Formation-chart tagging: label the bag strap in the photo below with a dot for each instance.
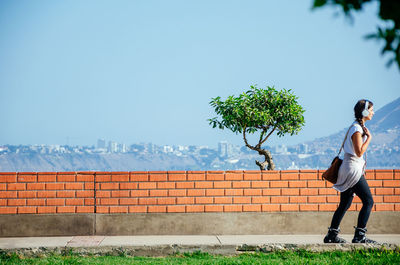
(340, 150)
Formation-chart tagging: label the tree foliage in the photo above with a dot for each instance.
(259, 110)
(389, 10)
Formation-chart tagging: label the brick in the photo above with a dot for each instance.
(260, 200)
(3, 186)
(222, 184)
(167, 200)
(103, 194)
(176, 193)
(271, 192)
(397, 191)
(128, 186)
(88, 186)
(16, 202)
(384, 207)
(27, 178)
(66, 178)
(391, 183)
(46, 209)
(147, 185)
(84, 178)
(204, 184)
(35, 186)
(55, 202)
(397, 207)
(147, 201)
(333, 199)
(195, 208)
(139, 193)
(196, 192)
(8, 194)
(234, 192)
(158, 193)
(46, 177)
(74, 186)
(120, 178)
(54, 186)
(84, 193)
(215, 176)
(204, 200)
(271, 207)
(120, 193)
(103, 178)
(252, 192)
(327, 207)
(16, 186)
(260, 184)
(252, 176)
(89, 201)
(74, 202)
(306, 192)
(66, 209)
(8, 210)
(177, 177)
(384, 191)
(8, 178)
(119, 209)
(223, 200)
(196, 176)
(241, 184)
(391, 199)
(308, 176)
(241, 200)
(215, 192)
(46, 194)
(279, 184)
(327, 191)
(102, 209)
(289, 207)
(137, 209)
(139, 177)
(185, 200)
(109, 201)
(375, 183)
(234, 176)
(110, 186)
(36, 202)
(271, 175)
(213, 208)
(397, 174)
(289, 176)
(297, 199)
(251, 208)
(384, 174)
(86, 209)
(297, 184)
(316, 184)
(369, 174)
(27, 194)
(316, 199)
(308, 207)
(157, 209)
(291, 191)
(165, 185)
(158, 177)
(175, 208)
(377, 199)
(26, 209)
(280, 199)
(185, 185)
(233, 208)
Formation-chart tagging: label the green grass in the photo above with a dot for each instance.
(279, 257)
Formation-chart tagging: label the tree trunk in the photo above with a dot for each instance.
(268, 163)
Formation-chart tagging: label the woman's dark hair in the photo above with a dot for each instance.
(358, 109)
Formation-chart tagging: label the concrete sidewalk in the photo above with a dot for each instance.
(169, 244)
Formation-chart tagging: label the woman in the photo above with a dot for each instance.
(351, 177)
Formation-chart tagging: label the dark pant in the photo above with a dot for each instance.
(361, 189)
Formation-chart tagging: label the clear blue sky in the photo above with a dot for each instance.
(145, 71)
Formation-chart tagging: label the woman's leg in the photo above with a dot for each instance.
(362, 190)
(346, 199)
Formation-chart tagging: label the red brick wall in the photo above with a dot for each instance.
(184, 192)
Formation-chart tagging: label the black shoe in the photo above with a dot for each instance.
(332, 237)
(359, 236)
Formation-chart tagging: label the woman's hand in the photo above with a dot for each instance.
(367, 133)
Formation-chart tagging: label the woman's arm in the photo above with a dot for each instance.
(359, 147)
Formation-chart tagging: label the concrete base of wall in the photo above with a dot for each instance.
(189, 224)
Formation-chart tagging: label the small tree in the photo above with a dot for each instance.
(260, 110)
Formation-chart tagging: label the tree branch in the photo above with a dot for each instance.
(245, 140)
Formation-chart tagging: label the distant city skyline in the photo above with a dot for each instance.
(131, 71)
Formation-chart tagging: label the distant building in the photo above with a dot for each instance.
(112, 147)
(101, 144)
(303, 148)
